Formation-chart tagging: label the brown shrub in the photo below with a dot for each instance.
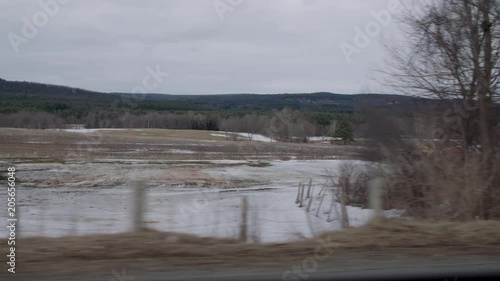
(439, 184)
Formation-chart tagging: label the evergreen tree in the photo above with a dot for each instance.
(344, 131)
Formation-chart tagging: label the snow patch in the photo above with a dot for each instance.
(86, 131)
(248, 136)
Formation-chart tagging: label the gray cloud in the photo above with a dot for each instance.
(260, 46)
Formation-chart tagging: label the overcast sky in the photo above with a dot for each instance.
(206, 46)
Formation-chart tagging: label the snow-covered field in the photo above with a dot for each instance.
(271, 189)
(261, 138)
(87, 131)
(247, 136)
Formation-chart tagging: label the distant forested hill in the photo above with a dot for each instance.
(28, 96)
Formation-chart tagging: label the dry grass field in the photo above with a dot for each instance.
(58, 145)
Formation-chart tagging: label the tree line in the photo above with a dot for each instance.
(287, 124)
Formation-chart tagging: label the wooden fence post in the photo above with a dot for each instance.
(302, 195)
(297, 201)
(375, 198)
(244, 219)
(309, 189)
(138, 215)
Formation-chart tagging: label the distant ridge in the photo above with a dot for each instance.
(23, 95)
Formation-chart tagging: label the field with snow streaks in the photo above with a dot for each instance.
(194, 184)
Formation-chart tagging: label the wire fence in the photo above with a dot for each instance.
(272, 216)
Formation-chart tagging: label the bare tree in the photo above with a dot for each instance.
(452, 52)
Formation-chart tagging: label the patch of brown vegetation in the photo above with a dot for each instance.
(443, 184)
(396, 233)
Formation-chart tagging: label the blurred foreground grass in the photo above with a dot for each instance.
(152, 250)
